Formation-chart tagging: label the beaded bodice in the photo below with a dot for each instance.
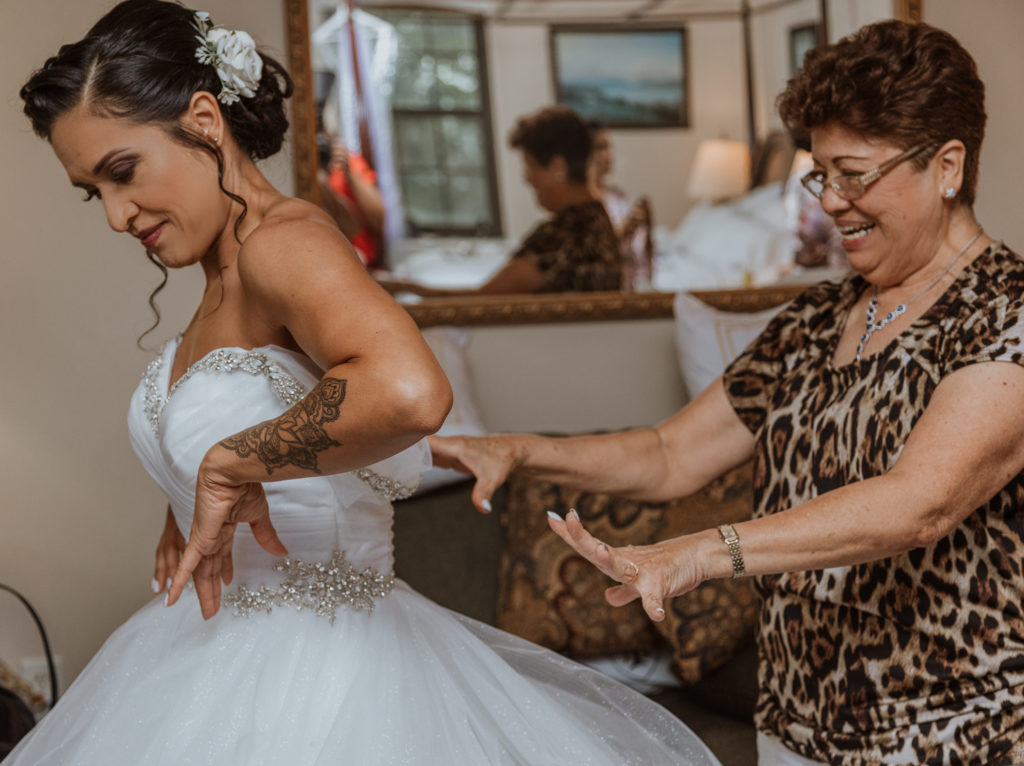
(337, 528)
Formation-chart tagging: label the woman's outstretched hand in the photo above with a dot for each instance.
(489, 458)
(221, 505)
(651, 573)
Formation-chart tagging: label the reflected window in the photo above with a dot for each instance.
(444, 157)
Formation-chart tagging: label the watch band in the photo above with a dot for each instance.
(732, 540)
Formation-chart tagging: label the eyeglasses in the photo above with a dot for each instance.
(851, 187)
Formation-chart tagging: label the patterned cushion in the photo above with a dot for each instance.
(550, 595)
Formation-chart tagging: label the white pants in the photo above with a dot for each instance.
(771, 752)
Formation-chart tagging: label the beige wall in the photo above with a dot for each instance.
(78, 516)
(990, 30)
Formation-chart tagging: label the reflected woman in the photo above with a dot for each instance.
(576, 249)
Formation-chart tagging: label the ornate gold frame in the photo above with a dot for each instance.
(511, 309)
(586, 307)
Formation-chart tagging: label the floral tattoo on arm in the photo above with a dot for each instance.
(296, 437)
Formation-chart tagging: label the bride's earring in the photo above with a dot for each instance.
(949, 193)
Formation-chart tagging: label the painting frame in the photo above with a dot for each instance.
(586, 48)
(802, 38)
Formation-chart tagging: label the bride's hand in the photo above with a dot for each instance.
(221, 505)
(489, 458)
(651, 573)
(168, 552)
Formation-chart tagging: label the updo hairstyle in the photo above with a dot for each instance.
(138, 63)
(906, 84)
(555, 131)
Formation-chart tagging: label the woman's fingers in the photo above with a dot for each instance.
(633, 567)
(227, 570)
(159, 572)
(265, 534)
(186, 566)
(483, 491)
(653, 606)
(620, 595)
(489, 459)
(207, 582)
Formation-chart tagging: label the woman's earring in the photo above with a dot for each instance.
(949, 193)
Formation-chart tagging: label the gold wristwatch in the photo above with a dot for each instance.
(732, 540)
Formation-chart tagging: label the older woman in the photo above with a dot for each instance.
(577, 248)
(884, 416)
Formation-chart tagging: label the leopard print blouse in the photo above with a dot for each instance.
(918, 658)
(576, 250)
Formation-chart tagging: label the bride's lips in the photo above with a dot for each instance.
(151, 235)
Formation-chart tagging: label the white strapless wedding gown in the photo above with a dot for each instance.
(323, 658)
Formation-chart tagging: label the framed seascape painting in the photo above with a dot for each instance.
(632, 78)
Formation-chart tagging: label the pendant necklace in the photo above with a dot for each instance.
(873, 326)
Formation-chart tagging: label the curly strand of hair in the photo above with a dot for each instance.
(152, 297)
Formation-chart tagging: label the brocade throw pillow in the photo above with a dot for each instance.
(552, 596)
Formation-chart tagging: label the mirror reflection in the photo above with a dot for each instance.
(417, 109)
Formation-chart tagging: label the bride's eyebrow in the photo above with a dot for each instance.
(100, 166)
(106, 158)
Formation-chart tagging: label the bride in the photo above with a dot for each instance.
(281, 424)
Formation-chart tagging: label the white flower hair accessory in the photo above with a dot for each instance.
(232, 53)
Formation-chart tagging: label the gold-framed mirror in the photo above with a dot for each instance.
(537, 308)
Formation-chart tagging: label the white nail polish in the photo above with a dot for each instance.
(660, 611)
(486, 504)
(167, 598)
(169, 581)
(572, 514)
(554, 516)
(155, 586)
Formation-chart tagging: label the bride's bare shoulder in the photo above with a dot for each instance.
(290, 210)
(294, 237)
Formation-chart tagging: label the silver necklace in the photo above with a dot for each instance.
(873, 326)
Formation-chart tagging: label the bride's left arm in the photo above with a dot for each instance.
(382, 391)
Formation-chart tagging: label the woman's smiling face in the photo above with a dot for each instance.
(150, 186)
(895, 228)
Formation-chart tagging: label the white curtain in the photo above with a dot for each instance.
(377, 51)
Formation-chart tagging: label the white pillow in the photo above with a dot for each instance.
(449, 346)
(744, 242)
(708, 339)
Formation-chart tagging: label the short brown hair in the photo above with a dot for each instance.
(555, 131)
(907, 84)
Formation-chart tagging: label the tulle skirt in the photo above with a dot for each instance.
(409, 683)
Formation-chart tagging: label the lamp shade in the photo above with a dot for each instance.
(721, 169)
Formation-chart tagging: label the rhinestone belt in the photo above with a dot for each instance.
(322, 587)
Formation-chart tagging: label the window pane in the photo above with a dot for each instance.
(425, 199)
(458, 81)
(411, 33)
(417, 146)
(463, 142)
(453, 35)
(471, 202)
(415, 81)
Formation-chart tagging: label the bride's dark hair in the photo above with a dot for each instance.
(139, 63)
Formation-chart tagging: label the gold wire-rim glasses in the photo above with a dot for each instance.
(853, 187)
